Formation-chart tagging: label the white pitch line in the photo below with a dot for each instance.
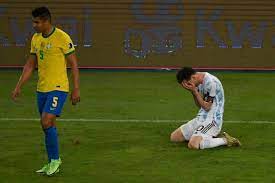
(132, 120)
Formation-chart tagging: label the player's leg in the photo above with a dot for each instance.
(41, 100)
(194, 142)
(184, 132)
(177, 136)
(51, 139)
(210, 142)
(203, 137)
(51, 142)
(204, 142)
(52, 109)
(212, 139)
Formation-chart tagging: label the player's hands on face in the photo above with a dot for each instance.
(75, 96)
(15, 93)
(188, 86)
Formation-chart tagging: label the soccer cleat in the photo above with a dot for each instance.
(231, 141)
(43, 169)
(220, 135)
(53, 167)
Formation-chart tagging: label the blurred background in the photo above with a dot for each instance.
(150, 34)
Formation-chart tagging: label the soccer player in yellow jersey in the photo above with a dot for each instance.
(51, 49)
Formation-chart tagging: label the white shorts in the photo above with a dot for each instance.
(195, 127)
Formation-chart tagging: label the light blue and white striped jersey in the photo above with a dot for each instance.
(211, 86)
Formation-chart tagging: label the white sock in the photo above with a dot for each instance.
(212, 142)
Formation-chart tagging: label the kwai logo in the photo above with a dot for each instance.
(166, 36)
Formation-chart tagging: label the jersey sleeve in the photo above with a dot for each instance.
(32, 51)
(67, 45)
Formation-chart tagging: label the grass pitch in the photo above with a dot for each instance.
(111, 151)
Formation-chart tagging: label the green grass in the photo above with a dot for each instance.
(141, 151)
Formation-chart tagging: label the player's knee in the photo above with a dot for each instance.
(176, 136)
(173, 137)
(193, 146)
(46, 123)
(194, 143)
(47, 120)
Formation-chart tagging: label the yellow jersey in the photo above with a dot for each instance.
(51, 52)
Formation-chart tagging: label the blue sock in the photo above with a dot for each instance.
(51, 141)
(47, 145)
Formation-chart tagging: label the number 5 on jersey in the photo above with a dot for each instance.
(55, 102)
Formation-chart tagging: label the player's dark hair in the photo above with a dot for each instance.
(42, 12)
(185, 74)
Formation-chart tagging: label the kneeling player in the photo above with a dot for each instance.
(204, 130)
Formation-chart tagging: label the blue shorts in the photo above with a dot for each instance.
(51, 102)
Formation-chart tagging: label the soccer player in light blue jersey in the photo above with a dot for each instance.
(204, 130)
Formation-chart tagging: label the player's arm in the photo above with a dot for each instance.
(206, 105)
(200, 102)
(68, 49)
(26, 74)
(75, 95)
(196, 101)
